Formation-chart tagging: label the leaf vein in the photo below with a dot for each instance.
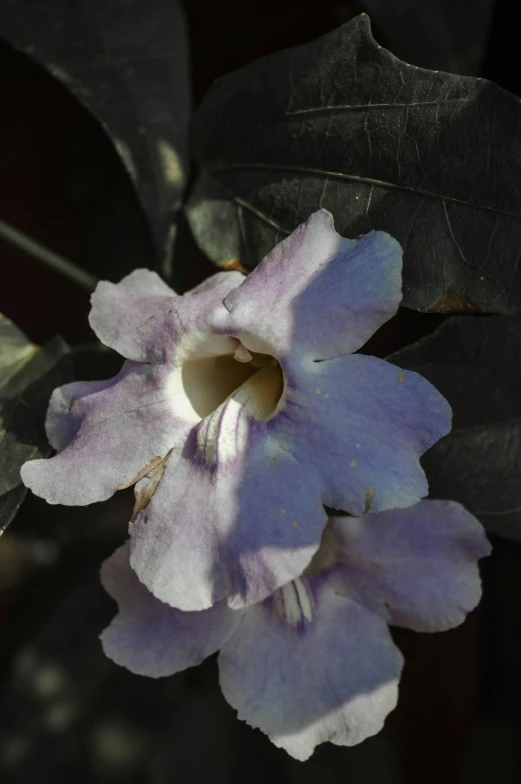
(357, 106)
(365, 181)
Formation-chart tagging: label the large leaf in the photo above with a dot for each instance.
(126, 61)
(28, 375)
(440, 34)
(475, 362)
(341, 123)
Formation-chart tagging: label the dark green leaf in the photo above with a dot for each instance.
(438, 34)
(475, 362)
(340, 123)
(28, 375)
(127, 63)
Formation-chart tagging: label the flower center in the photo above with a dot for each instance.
(254, 380)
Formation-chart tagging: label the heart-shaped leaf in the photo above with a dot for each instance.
(475, 362)
(341, 123)
(28, 374)
(126, 61)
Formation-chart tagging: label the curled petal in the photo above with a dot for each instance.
(416, 567)
(121, 427)
(363, 423)
(317, 294)
(151, 638)
(311, 666)
(234, 516)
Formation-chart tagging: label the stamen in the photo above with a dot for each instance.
(242, 354)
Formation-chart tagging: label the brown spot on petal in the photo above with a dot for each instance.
(234, 264)
(272, 461)
(401, 378)
(451, 301)
(146, 491)
(368, 498)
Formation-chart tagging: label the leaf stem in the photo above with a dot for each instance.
(47, 257)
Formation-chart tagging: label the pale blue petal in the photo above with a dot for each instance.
(237, 528)
(417, 567)
(134, 316)
(151, 638)
(120, 426)
(317, 294)
(221, 284)
(304, 682)
(144, 320)
(68, 407)
(363, 423)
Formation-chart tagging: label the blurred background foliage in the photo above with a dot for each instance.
(67, 713)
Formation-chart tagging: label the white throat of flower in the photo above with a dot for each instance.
(224, 393)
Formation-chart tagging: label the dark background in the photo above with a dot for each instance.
(66, 713)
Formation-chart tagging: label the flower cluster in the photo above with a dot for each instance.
(240, 412)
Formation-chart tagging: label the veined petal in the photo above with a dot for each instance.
(121, 427)
(317, 294)
(363, 423)
(308, 666)
(416, 567)
(234, 516)
(151, 638)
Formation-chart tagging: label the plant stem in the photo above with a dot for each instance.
(47, 257)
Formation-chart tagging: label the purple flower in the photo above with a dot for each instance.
(240, 411)
(315, 661)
